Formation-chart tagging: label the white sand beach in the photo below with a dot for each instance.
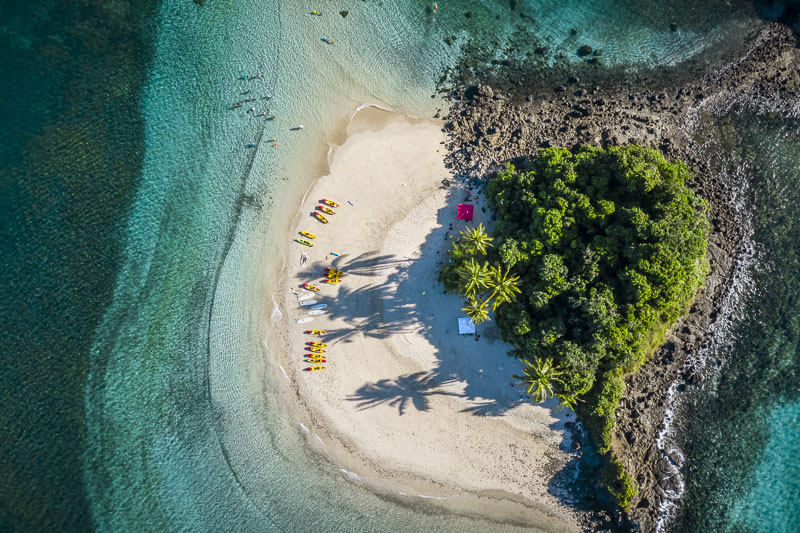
(404, 398)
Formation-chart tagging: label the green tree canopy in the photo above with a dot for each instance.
(608, 250)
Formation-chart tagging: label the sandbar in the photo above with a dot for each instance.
(404, 400)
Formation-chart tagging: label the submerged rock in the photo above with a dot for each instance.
(584, 50)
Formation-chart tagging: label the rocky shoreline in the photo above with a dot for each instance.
(488, 127)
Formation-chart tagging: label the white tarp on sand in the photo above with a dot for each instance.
(465, 326)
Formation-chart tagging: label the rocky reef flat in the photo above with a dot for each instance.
(490, 126)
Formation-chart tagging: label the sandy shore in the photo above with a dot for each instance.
(404, 400)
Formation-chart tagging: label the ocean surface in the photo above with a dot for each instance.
(141, 238)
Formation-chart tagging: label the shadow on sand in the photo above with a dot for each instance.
(411, 301)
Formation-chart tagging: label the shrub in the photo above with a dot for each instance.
(609, 246)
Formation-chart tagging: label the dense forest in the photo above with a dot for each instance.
(594, 256)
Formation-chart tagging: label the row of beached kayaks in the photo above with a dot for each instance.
(332, 275)
(315, 351)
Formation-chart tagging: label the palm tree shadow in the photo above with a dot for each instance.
(411, 301)
(414, 389)
(394, 296)
(395, 306)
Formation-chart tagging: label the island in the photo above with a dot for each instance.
(595, 255)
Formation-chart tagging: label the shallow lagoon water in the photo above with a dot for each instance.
(184, 421)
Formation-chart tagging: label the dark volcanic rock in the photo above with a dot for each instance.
(585, 50)
(486, 131)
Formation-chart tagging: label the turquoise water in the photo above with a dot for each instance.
(142, 238)
(739, 433)
(771, 504)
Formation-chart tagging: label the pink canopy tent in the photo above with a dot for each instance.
(465, 211)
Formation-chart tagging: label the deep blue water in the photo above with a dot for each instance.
(135, 398)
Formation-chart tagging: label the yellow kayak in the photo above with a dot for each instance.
(317, 344)
(303, 241)
(314, 368)
(332, 280)
(316, 332)
(327, 210)
(310, 287)
(316, 360)
(307, 234)
(329, 202)
(320, 217)
(314, 349)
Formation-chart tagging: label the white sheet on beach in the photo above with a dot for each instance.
(465, 326)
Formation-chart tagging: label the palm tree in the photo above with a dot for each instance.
(476, 310)
(504, 286)
(566, 400)
(476, 239)
(474, 276)
(541, 375)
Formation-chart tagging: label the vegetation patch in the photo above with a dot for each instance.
(594, 257)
